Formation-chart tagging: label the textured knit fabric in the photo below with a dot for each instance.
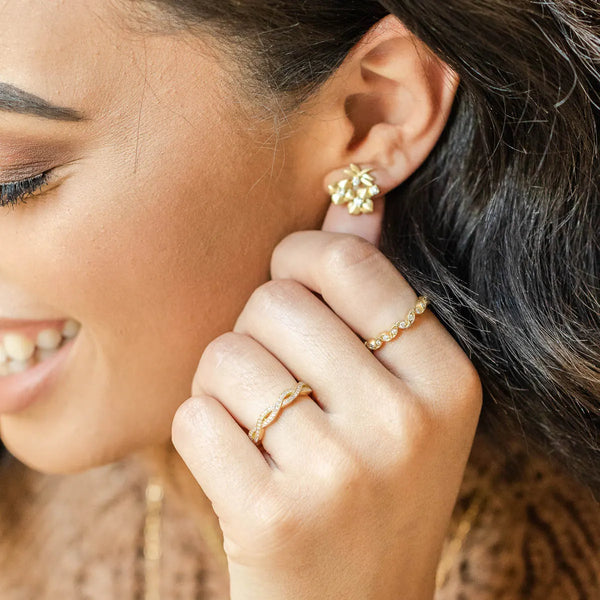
(81, 536)
(536, 538)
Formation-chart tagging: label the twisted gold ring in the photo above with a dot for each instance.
(270, 413)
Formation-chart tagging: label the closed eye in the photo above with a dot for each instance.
(15, 192)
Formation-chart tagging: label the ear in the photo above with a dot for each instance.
(385, 107)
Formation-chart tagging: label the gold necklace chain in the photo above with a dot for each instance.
(152, 541)
(458, 537)
(153, 553)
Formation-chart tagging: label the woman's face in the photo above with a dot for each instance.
(159, 219)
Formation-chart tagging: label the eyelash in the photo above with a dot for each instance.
(16, 192)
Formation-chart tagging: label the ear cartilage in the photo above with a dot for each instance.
(357, 190)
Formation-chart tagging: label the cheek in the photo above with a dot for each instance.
(154, 243)
(153, 264)
(155, 252)
(153, 275)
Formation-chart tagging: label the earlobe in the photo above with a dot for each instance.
(397, 103)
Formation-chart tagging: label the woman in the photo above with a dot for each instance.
(172, 223)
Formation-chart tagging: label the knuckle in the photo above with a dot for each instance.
(273, 295)
(470, 397)
(348, 251)
(402, 415)
(227, 346)
(286, 244)
(223, 346)
(341, 471)
(463, 388)
(351, 481)
(181, 419)
(190, 417)
(413, 425)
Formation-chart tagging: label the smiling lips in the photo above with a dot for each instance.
(21, 340)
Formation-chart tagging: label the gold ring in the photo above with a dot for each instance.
(387, 336)
(270, 413)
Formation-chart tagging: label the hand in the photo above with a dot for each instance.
(351, 493)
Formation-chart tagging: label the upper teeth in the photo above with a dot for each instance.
(20, 347)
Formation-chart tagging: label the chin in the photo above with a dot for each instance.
(56, 457)
(57, 463)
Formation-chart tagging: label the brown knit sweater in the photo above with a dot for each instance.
(80, 536)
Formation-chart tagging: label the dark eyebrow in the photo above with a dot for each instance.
(16, 100)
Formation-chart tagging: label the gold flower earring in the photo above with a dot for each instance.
(358, 190)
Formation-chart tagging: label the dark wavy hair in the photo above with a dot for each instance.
(500, 226)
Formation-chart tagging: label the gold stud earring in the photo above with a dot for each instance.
(358, 190)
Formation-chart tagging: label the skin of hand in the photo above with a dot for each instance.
(351, 492)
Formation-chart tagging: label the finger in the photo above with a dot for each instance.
(316, 347)
(368, 293)
(219, 455)
(367, 226)
(246, 378)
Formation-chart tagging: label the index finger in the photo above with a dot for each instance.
(367, 225)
